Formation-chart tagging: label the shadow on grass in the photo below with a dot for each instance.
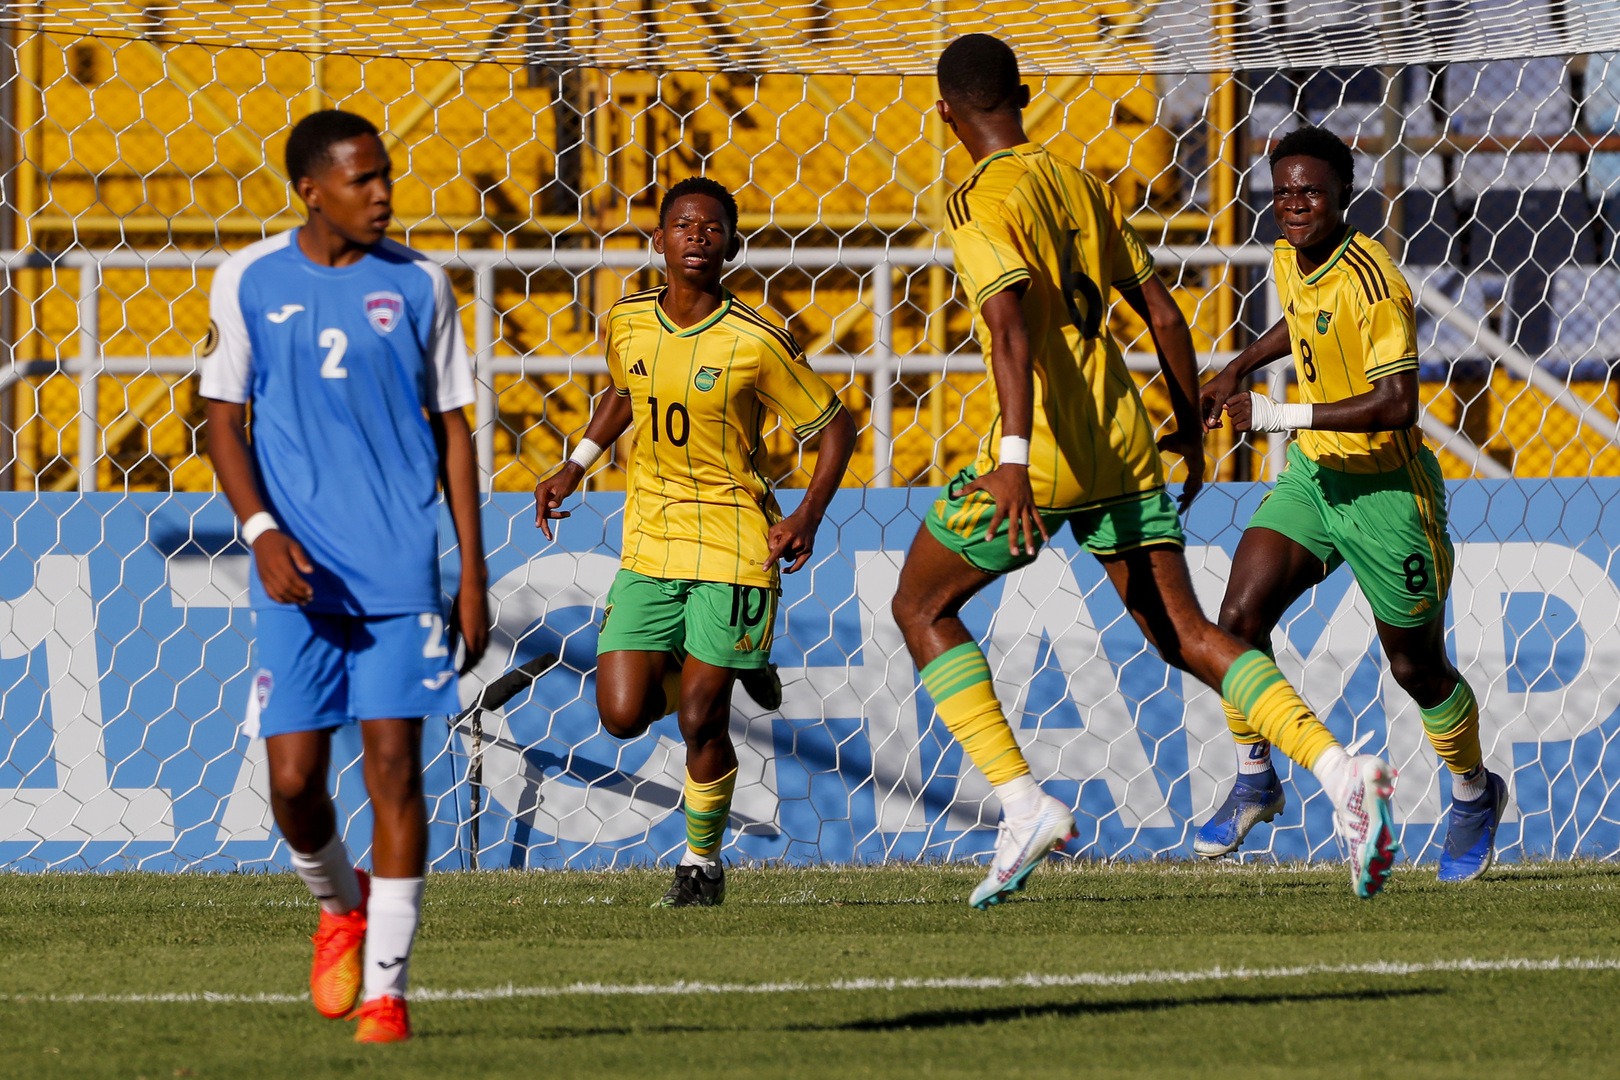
(943, 1018)
(946, 1018)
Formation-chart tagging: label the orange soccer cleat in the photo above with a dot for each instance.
(335, 976)
(383, 1020)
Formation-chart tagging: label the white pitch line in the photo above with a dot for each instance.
(988, 982)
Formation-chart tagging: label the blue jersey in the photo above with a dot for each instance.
(341, 366)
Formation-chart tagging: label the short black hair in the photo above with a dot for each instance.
(309, 147)
(978, 71)
(1319, 143)
(701, 185)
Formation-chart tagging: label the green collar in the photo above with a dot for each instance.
(1349, 235)
(997, 156)
(695, 328)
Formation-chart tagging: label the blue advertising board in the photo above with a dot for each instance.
(125, 663)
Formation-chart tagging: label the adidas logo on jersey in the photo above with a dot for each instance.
(639, 368)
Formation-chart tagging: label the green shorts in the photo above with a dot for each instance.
(1390, 527)
(726, 625)
(1147, 519)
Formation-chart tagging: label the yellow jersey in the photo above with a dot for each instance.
(1027, 218)
(1349, 323)
(698, 507)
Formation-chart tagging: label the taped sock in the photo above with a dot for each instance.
(330, 876)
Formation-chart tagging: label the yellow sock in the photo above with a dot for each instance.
(1242, 733)
(959, 682)
(1453, 729)
(707, 808)
(1255, 687)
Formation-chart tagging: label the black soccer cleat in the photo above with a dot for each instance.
(764, 685)
(694, 888)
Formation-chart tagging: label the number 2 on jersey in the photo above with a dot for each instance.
(336, 343)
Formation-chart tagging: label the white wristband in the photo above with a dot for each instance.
(256, 526)
(585, 454)
(1014, 450)
(1268, 415)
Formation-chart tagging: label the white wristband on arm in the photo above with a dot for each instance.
(256, 526)
(585, 454)
(1014, 450)
(1268, 415)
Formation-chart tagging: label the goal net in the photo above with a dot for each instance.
(142, 143)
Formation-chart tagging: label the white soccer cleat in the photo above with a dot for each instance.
(1365, 821)
(1021, 844)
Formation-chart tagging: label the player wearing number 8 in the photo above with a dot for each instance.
(693, 610)
(1359, 488)
(349, 348)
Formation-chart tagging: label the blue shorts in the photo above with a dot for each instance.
(315, 671)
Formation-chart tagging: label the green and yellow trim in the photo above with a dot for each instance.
(1001, 284)
(696, 328)
(806, 430)
(1392, 367)
(1350, 234)
(954, 671)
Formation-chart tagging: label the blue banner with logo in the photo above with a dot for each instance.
(126, 664)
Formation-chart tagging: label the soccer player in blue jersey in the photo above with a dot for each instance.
(349, 348)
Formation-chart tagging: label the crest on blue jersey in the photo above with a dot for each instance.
(384, 310)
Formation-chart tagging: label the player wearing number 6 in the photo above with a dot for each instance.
(693, 611)
(1359, 488)
(1038, 245)
(349, 348)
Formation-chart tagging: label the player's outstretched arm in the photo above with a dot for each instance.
(1220, 391)
(1014, 371)
(794, 537)
(458, 471)
(1172, 340)
(281, 560)
(608, 422)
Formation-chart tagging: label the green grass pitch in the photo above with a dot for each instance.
(815, 934)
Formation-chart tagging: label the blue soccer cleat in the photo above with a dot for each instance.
(1255, 797)
(1471, 832)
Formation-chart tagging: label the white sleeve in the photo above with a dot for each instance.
(449, 371)
(227, 367)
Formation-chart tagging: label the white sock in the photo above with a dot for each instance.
(330, 876)
(391, 918)
(1020, 797)
(710, 863)
(1254, 757)
(1334, 768)
(1468, 786)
